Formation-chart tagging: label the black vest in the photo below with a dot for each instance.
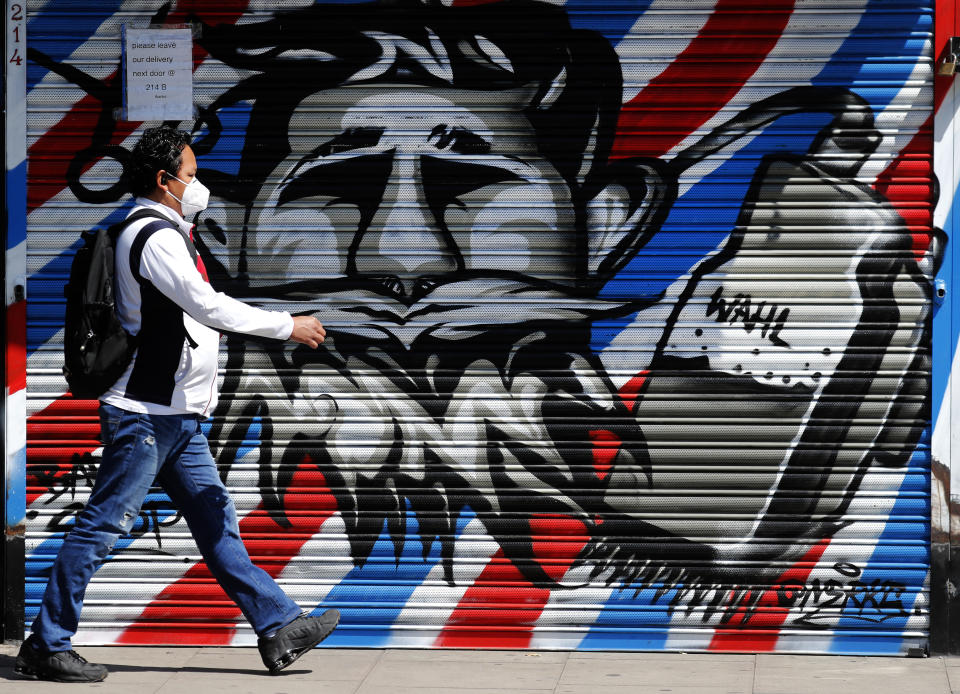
(162, 332)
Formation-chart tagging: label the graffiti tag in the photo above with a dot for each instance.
(82, 472)
(874, 601)
(744, 310)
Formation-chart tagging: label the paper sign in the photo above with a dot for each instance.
(157, 74)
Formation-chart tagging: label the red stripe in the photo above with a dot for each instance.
(45, 465)
(906, 183)
(196, 602)
(16, 347)
(946, 24)
(49, 157)
(702, 79)
(761, 632)
(502, 607)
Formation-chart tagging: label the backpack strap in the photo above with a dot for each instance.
(136, 249)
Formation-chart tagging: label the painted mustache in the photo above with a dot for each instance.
(453, 310)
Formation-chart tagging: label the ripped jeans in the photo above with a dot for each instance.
(140, 449)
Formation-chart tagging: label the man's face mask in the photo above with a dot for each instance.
(195, 197)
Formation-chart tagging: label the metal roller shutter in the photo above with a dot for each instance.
(628, 309)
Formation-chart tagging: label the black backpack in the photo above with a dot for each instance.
(96, 348)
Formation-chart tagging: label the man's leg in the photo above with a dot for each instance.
(126, 472)
(193, 483)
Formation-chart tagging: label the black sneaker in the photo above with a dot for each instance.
(35, 663)
(296, 638)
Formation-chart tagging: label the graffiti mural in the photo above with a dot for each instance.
(612, 361)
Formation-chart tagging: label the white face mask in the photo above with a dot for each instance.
(195, 197)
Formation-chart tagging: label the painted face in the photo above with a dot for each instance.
(411, 187)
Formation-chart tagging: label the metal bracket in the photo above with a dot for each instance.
(939, 291)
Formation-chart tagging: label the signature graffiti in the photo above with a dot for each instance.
(816, 603)
(874, 602)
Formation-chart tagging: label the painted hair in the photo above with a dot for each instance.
(575, 74)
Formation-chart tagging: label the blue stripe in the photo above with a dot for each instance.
(879, 39)
(394, 580)
(658, 264)
(651, 621)
(614, 20)
(61, 28)
(59, 268)
(16, 204)
(879, 568)
(225, 156)
(15, 502)
(945, 334)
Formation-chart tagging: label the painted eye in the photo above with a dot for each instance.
(444, 181)
(357, 180)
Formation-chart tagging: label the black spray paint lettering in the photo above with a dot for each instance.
(154, 514)
(873, 602)
(742, 309)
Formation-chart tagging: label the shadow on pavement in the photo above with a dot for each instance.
(7, 674)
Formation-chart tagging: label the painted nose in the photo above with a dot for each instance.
(404, 240)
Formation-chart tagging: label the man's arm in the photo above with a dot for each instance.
(167, 265)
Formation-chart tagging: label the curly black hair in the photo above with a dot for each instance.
(323, 46)
(159, 149)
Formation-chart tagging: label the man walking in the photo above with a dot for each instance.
(150, 424)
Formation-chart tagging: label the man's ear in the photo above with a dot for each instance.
(632, 200)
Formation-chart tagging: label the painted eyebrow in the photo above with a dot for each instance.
(459, 140)
(349, 139)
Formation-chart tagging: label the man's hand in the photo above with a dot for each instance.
(307, 330)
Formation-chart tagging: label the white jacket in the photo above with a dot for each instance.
(166, 264)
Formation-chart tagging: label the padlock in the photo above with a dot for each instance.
(948, 66)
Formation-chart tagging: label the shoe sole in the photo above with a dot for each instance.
(293, 654)
(23, 672)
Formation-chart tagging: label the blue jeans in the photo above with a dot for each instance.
(171, 450)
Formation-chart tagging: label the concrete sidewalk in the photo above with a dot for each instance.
(238, 671)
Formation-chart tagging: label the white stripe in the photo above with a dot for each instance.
(16, 270)
(946, 151)
(767, 81)
(15, 77)
(444, 598)
(16, 426)
(331, 541)
(588, 604)
(901, 119)
(642, 48)
(944, 434)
